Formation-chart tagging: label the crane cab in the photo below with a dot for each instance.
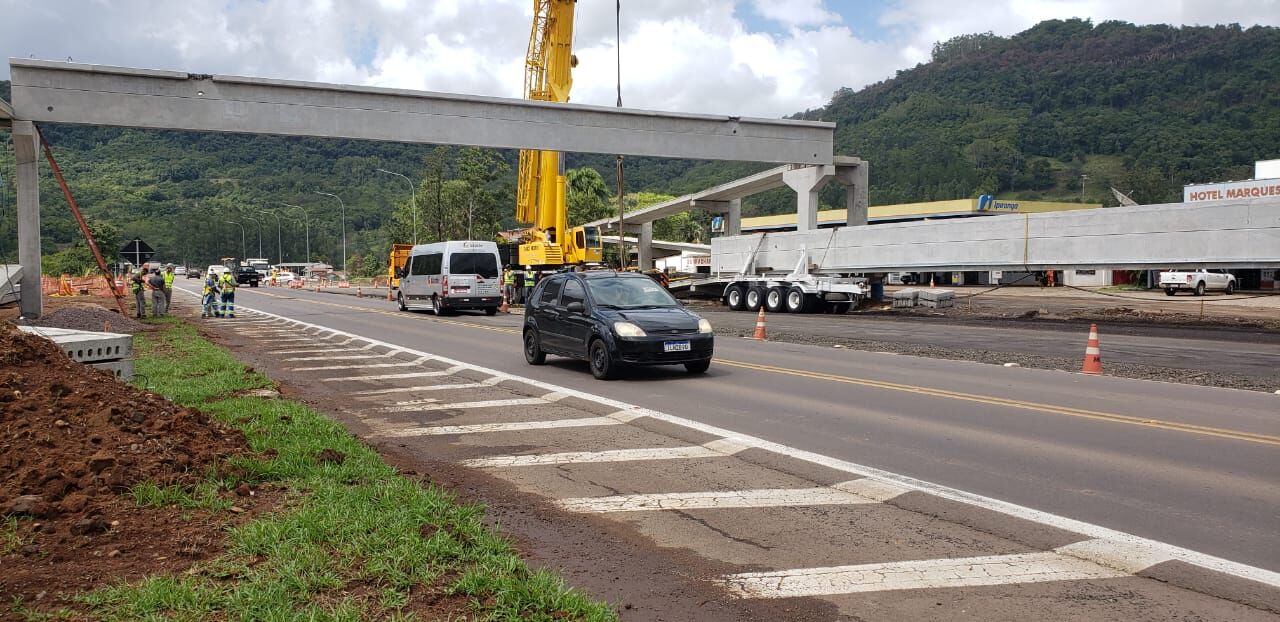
(581, 246)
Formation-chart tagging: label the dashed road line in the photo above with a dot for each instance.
(523, 401)
(761, 498)
(482, 428)
(610, 455)
(917, 574)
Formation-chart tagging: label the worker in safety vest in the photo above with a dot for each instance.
(227, 287)
(139, 289)
(155, 282)
(209, 300)
(168, 287)
(509, 283)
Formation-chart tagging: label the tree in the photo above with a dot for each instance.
(587, 196)
(78, 258)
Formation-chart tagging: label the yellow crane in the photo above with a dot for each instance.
(540, 193)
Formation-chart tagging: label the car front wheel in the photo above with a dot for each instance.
(533, 353)
(698, 367)
(1231, 287)
(602, 365)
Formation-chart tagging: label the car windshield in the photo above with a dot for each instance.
(629, 293)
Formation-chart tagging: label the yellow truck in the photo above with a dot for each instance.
(399, 255)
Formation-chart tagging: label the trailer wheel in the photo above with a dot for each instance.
(775, 301)
(796, 301)
(755, 298)
(734, 298)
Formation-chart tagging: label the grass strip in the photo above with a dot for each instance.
(353, 541)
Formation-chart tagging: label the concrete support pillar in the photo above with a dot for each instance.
(807, 183)
(733, 219)
(644, 249)
(26, 147)
(854, 178)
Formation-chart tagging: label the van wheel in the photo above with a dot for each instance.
(755, 298)
(533, 353)
(490, 310)
(775, 300)
(602, 365)
(734, 298)
(400, 300)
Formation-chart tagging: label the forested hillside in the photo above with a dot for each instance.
(1145, 109)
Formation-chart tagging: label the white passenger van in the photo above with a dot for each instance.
(447, 276)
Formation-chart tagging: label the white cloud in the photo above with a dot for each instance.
(703, 56)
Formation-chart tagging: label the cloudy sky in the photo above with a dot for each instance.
(750, 57)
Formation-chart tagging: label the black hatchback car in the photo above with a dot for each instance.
(613, 320)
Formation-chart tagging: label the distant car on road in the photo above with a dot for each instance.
(247, 275)
(613, 320)
(180, 271)
(284, 277)
(190, 273)
(1197, 281)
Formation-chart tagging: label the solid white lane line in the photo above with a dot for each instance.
(433, 387)
(515, 426)
(1114, 538)
(416, 374)
(707, 450)
(917, 575)
(762, 498)
(339, 357)
(526, 401)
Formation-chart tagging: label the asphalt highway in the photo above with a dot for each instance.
(1191, 466)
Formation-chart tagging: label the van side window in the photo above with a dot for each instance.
(418, 265)
(550, 292)
(573, 292)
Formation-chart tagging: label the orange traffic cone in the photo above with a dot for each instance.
(504, 307)
(759, 336)
(359, 294)
(389, 297)
(1092, 355)
(930, 280)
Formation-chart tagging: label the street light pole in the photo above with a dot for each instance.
(306, 221)
(1082, 180)
(413, 197)
(259, 223)
(344, 226)
(279, 247)
(242, 247)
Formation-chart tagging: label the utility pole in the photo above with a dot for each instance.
(622, 208)
(279, 247)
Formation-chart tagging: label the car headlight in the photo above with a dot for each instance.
(704, 326)
(627, 329)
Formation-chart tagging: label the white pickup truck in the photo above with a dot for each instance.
(1197, 281)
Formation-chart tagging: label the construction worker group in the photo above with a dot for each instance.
(219, 295)
(161, 286)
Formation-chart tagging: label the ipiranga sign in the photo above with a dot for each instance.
(1247, 189)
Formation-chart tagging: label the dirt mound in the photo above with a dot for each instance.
(72, 439)
(89, 316)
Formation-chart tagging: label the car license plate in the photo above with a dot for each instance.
(675, 346)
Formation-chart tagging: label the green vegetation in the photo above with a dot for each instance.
(353, 539)
(1143, 108)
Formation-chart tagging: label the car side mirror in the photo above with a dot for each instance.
(576, 307)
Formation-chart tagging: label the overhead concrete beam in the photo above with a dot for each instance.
(6, 114)
(76, 93)
(660, 244)
(1218, 234)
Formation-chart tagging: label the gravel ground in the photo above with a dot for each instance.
(1123, 370)
(89, 316)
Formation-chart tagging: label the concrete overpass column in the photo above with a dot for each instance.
(644, 249)
(733, 219)
(854, 178)
(26, 146)
(807, 182)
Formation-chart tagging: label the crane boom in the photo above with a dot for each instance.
(540, 191)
